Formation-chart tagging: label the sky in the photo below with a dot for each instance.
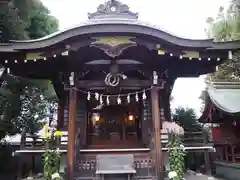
(183, 18)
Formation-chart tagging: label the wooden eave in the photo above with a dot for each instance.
(147, 38)
(121, 22)
(122, 27)
(77, 61)
(204, 118)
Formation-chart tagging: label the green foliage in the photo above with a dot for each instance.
(11, 26)
(51, 163)
(186, 117)
(37, 18)
(51, 156)
(176, 155)
(226, 27)
(23, 102)
(25, 19)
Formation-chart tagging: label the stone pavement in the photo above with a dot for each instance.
(190, 175)
(199, 177)
(187, 177)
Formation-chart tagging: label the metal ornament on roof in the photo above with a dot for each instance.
(113, 46)
(113, 9)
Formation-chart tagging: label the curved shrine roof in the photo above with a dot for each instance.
(225, 96)
(115, 17)
(113, 32)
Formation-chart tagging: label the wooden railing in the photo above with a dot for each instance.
(228, 153)
(192, 141)
(227, 149)
(37, 141)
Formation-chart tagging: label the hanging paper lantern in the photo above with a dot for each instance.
(97, 96)
(96, 116)
(119, 101)
(144, 96)
(88, 96)
(128, 98)
(130, 117)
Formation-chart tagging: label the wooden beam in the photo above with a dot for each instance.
(233, 153)
(122, 67)
(88, 84)
(71, 132)
(157, 132)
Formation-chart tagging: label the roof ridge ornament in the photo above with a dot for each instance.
(113, 9)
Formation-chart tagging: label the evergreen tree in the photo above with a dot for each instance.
(24, 102)
(186, 117)
(226, 27)
(11, 26)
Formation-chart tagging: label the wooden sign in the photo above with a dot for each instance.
(146, 110)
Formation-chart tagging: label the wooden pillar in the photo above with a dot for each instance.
(226, 152)
(157, 156)
(207, 154)
(20, 159)
(233, 153)
(71, 132)
(60, 115)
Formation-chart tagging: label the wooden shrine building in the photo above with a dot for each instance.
(113, 76)
(222, 112)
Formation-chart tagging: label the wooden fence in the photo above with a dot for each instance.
(193, 141)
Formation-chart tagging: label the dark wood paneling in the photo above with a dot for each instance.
(82, 117)
(60, 115)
